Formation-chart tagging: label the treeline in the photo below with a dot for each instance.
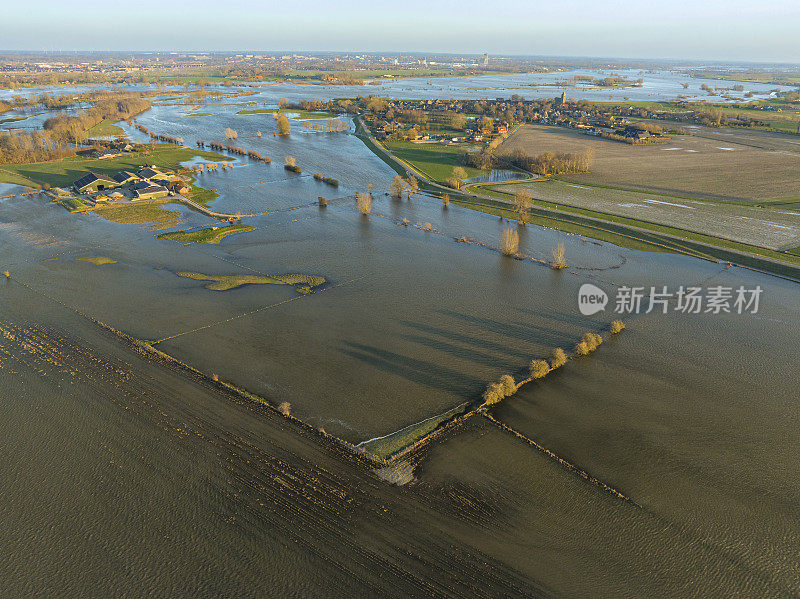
(547, 163)
(75, 128)
(20, 147)
(214, 145)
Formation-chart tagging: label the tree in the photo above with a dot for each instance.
(398, 186)
(459, 173)
(539, 369)
(364, 203)
(283, 124)
(522, 204)
(457, 121)
(283, 103)
(559, 257)
(413, 185)
(509, 242)
(230, 133)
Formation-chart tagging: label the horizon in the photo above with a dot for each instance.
(717, 31)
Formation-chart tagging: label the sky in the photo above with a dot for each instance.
(763, 30)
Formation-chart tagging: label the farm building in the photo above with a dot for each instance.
(125, 178)
(93, 182)
(147, 172)
(151, 193)
(105, 153)
(178, 187)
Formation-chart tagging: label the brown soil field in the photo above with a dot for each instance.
(722, 165)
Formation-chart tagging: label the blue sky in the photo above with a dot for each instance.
(733, 30)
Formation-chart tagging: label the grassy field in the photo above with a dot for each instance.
(435, 161)
(211, 235)
(302, 283)
(296, 114)
(776, 229)
(727, 168)
(104, 128)
(201, 114)
(62, 173)
(786, 121)
(139, 213)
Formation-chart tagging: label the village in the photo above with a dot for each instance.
(470, 121)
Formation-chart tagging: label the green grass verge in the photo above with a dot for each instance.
(139, 212)
(106, 127)
(435, 161)
(302, 283)
(211, 235)
(201, 114)
(73, 204)
(62, 173)
(385, 447)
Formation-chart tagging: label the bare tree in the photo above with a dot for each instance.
(522, 204)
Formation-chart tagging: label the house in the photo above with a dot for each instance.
(93, 182)
(124, 178)
(151, 193)
(178, 187)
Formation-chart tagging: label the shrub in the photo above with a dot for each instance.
(284, 127)
(322, 202)
(289, 161)
(559, 260)
(589, 343)
(508, 384)
(558, 359)
(617, 326)
(493, 394)
(7, 274)
(445, 200)
(215, 378)
(285, 408)
(539, 369)
(405, 222)
(427, 227)
(509, 242)
(364, 203)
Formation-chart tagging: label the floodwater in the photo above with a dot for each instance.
(121, 476)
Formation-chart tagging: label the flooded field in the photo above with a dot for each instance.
(192, 489)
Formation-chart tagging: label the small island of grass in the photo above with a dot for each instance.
(207, 235)
(97, 260)
(302, 283)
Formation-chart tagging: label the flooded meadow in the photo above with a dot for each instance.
(192, 490)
